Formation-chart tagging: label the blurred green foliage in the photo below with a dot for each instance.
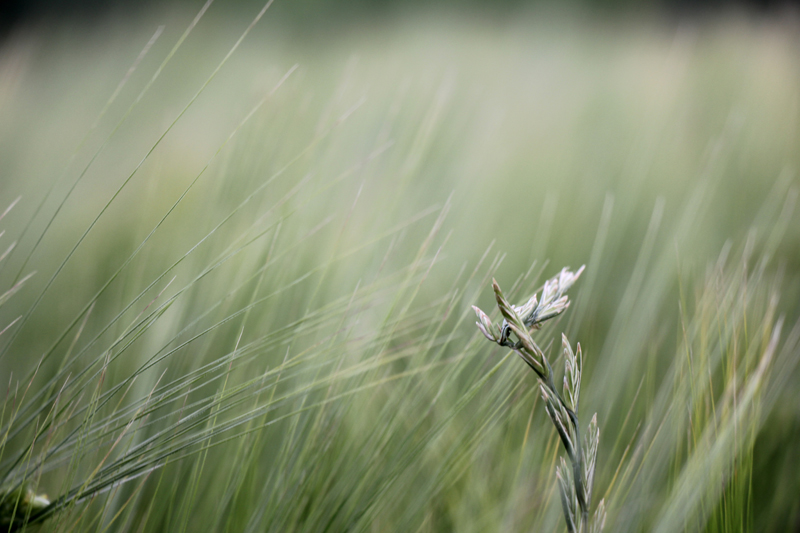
(362, 210)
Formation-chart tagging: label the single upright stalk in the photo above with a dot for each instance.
(575, 484)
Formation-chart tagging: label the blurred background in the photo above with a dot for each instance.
(306, 12)
(396, 156)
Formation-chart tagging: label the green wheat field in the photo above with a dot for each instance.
(239, 259)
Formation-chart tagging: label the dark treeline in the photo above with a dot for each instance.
(13, 12)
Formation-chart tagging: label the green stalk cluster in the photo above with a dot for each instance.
(18, 503)
(575, 483)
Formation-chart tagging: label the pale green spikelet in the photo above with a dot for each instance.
(18, 505)
(575, 482)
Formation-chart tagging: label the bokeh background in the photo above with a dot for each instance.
(331, 240)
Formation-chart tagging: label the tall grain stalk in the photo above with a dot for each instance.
(575, 484)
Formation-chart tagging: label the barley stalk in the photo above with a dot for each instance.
(575, 483)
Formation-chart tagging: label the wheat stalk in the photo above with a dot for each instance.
(575, 484)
